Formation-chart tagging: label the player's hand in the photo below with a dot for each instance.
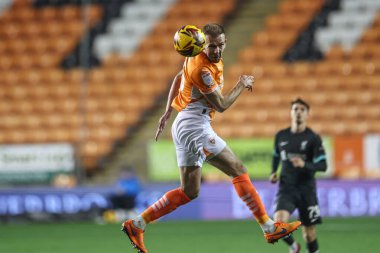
(162, 123)
(247, 81)
(297, 162)
(273, 178)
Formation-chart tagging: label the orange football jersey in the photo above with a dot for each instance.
(200, 76)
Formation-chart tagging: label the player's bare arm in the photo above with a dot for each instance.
(222, 102)
(168, 110)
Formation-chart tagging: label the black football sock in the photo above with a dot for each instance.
(289, 240)
(312, 246)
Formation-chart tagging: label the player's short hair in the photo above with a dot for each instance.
(300, 101)
(213, 29)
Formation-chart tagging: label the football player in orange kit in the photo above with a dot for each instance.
(196, 92)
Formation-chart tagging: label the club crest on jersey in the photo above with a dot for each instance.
(212, 140)
(207, 79)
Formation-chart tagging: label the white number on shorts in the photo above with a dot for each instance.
(314, 213)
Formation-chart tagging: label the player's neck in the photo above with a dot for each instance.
(298, 128)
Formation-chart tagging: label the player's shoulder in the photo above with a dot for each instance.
(283, 132)
(197, 61)
(201, 63)
(310, 132)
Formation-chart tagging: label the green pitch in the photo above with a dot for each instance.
(335, 236)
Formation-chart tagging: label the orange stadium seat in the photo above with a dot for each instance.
(359, 51)
(351, 82)
(376, 22)
(44, 106)
(51, 29)
(325, 68)
(21, 4)
(103, 133)
(259, 55)
(328, 83)
(95, 149)
(292, 6)
(69, 12)
(31, 29)
(288, 22)
(48, 14)
(370, 82)
(371, 35)
(52, 76)
(72, 119)
(24, 15)
(324, 113)
(37, 45)
(14, 136)
(3, 47)
(16, 46)
(278, 38)
(99, 75)
(303, 84)
(29, 76)
(336, 53)
(6, 62)
(75, 76)
(374, 127)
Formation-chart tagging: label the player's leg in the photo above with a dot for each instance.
(310, 216)
(310, 236)
(283, 216)
(190, 185)
(227, 162)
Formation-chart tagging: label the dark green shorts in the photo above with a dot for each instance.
(306, 202)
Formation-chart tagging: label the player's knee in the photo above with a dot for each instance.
(309, 235)
(238, 169)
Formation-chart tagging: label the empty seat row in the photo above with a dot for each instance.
(60, 45)
(48, 14)
(35, 30)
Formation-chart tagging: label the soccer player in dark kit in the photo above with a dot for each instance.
(301, 154)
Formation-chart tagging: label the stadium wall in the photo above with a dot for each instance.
(216, 201)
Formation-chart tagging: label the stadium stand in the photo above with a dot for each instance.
(346, 76)
(130, 60)
(47, 98)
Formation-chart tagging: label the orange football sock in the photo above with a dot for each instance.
(247, 192)
(167, 204)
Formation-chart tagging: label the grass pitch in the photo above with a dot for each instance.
(334, 235)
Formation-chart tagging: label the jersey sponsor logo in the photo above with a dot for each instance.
(207, 79)
(283, 143)
(292, 155)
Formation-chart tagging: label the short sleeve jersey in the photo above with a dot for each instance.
(200, 76)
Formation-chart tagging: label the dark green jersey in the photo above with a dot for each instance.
(306, 145)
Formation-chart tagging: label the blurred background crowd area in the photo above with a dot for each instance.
(84, 82)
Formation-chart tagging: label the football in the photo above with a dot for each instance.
(189, 41)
